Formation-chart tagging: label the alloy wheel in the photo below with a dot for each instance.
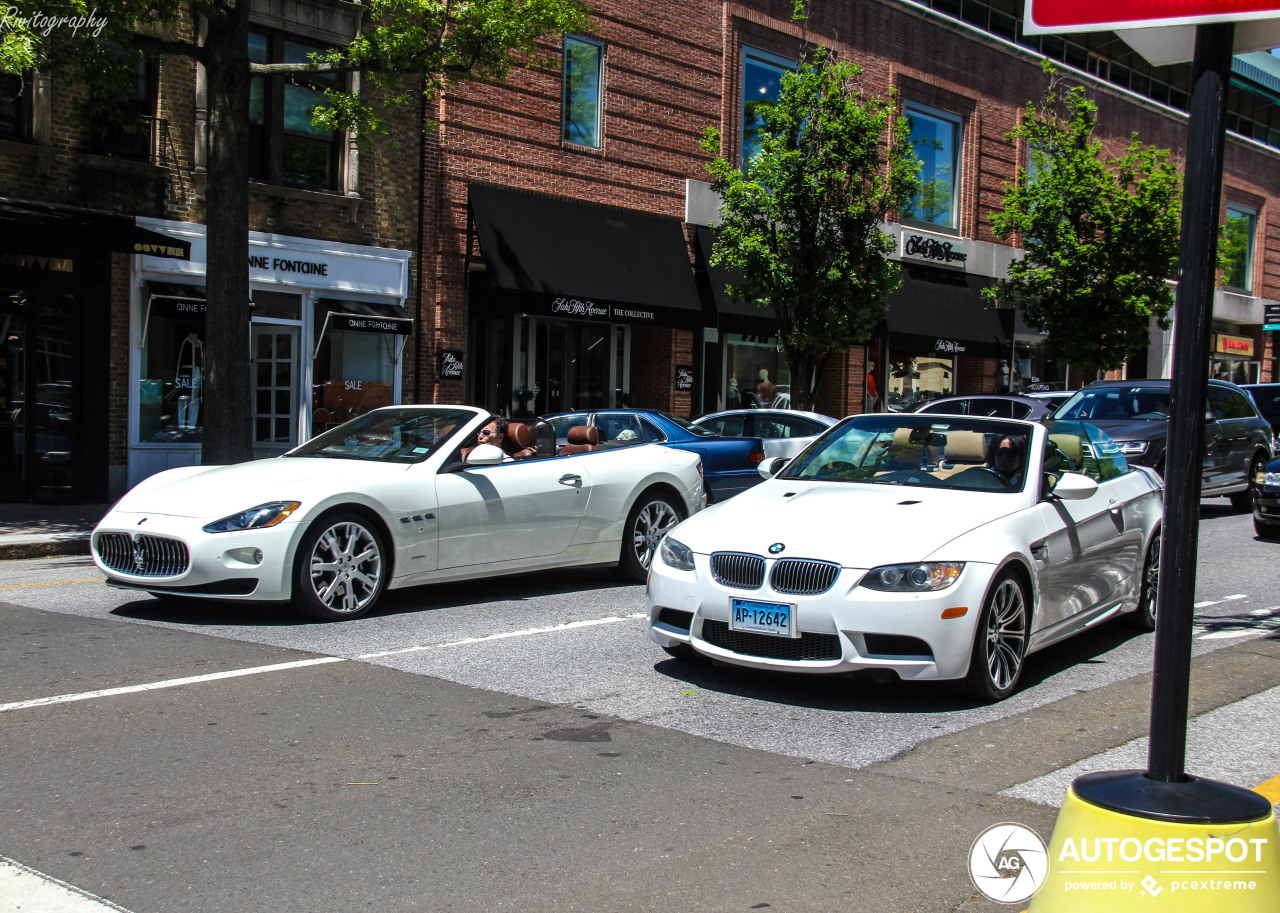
(1006, 634)
(652, 522)
(346, 567)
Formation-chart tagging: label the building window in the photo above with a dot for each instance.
(354, 374)
(935, 139)
(284, 146)
(761, 85)
(171, 365)
(15, 106)
(126, 129)
(583, 76)
(1239, 237)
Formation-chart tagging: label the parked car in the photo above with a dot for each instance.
(1135, 414)
(1266, 501)
(729, 463)
(992, 405)
(946, 564)
(784, 432)
(399, 496)
(1267, 398)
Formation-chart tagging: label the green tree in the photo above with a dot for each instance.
(411, 50)
(800, 221)
(1101, 234)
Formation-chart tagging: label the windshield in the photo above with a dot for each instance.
(1141, 402)
(407, 435)
(687, 425)
(919, 450)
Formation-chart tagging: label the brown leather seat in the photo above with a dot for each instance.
(581, 439)
(519, 437)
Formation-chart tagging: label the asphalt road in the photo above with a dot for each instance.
(520, 743)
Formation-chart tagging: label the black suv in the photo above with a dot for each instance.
(1135, 414)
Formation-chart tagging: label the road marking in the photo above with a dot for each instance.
(1237, 596)
(1270, 790)
(21, 586)
(569, 626)
(23, 888)
(168, 683)
(1205, 605)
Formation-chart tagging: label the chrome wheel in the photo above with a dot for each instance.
(345, 568)
(653, 522)
(1006, 634)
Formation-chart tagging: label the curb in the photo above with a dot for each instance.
(18, 547)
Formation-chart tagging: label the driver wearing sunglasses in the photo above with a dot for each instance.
(495, 433)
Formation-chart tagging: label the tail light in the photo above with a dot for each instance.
(701, 475)
(756, 457)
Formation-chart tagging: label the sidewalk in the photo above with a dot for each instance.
(41, 530)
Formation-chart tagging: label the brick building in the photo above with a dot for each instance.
(102, 268)
(555, 207)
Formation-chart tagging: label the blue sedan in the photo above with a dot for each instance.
(729, 464)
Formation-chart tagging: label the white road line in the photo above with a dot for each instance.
(26, 890)
(168, 683)
(1237, 596)
(1205, 605)
(613, 619)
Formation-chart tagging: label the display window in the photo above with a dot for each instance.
(758, 374)
(353, 374)
(171, 366)
(916, 377)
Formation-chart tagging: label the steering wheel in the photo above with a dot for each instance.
(836, 466)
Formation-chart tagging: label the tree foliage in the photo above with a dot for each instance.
(411, 50)
(1101, 234)
(800, 221)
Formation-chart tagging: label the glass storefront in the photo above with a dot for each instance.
(917, 376)
(170, 366)
(756, 371)
(353, 374)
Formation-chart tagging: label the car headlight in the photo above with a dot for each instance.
(913, 578)
(1133, 448)
(1270, 479)
(259, 517)
(675, 554)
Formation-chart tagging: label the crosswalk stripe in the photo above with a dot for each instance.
(23, 888)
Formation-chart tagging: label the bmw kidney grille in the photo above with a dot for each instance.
(792, 576)
(742, 572)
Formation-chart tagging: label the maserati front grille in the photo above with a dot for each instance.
(142, 556)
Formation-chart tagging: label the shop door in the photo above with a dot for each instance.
(37, 355)
(571, 366)
(275, 389)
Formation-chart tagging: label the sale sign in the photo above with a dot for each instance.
(1111, 15)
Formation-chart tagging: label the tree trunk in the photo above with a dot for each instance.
(227, 406)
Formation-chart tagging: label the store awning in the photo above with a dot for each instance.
(46, 228)
(364, 316)
(557, 257)
(731, 315)
(937, 311)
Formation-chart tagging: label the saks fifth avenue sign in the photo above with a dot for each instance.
(933, 250)
(949, 345)
(590, 310)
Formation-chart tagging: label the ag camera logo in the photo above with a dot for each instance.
(1008, 863)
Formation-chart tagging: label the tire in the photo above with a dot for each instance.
(1266, 530)
(1000, 642)
(651, 517)
(1242, 501)
(341, 568)
(1143, 618)
(684, 653)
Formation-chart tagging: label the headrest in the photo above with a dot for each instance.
(1069, 444)
(966, 447)
(519, 436)
(584, 434)
(902, 439)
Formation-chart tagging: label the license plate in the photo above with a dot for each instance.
(776, 618)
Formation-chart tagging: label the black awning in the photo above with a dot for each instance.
(42, 228)
(731, 315)
(553, 256)
(364, 316)
(937, 311)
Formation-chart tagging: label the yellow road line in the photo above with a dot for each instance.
(22, 586)
(1270, 789)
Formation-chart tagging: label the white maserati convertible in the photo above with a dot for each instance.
(915, 547)
(401, 496)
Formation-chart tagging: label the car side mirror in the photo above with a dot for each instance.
(485, 455)
(1073, 486)
(770, 468)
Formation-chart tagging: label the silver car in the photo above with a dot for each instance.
(784, 432)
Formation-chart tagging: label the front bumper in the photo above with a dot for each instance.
(1266, 503)
(847, 629)
(175, 555)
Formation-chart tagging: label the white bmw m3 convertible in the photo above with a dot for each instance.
(400, 496)
(915, 547)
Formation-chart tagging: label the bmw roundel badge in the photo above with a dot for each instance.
(776, 548)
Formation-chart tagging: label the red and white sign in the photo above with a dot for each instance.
(1111, 15)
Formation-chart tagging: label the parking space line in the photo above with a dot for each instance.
(168, 683)
(23, 888)
(568, 626)
(23, 586)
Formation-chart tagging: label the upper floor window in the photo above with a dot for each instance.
(1240, 230)
(761, 85)
(126, 129)
(583, 72)
(284, 146)
(15, 106)
(935, 138)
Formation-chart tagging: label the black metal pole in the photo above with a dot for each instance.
(1193, 309)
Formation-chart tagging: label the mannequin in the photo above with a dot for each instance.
(190, 361)
(766, 390)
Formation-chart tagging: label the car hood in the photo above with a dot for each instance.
(857, 525)
(218, 491)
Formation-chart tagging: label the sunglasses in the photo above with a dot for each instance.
(486, 432)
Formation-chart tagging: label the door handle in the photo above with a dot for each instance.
(570, 479)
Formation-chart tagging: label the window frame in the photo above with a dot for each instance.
(565, 120)
(952, 226)
(755, 55)
(23, 103)
(1251, 215)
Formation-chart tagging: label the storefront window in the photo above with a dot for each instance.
(917, 377)
(759, 376)
(353, 375)
(171, 365)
